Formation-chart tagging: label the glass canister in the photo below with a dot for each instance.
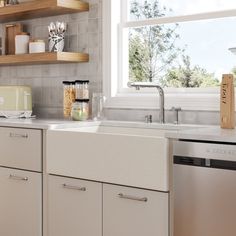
(68, 97)
(97, 106)
(80, 110)
(82, 89)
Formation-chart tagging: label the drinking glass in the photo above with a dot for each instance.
(98, 100)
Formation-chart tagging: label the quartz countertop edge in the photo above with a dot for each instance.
(43, 124)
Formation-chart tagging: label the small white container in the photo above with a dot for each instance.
(22, 43)
(37, 46)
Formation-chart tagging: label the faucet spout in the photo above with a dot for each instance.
(138, 85)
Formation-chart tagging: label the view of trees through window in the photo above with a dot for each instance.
(158, 54)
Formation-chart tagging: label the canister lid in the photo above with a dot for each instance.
(23, 33)
(82, 81)
(82, 100)
(66, 82)
(37, 41)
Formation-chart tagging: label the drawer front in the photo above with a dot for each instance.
(134, 212)
(21, 148)
(20, 203)
(74, 207)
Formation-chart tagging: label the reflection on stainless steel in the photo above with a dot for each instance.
(204, 190)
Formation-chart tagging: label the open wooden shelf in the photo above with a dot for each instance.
(44, 58)
(41, 8)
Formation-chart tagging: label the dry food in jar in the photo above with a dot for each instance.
(80, 110)
(68, 97)
(82, 89)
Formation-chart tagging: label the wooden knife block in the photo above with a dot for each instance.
(227, 104)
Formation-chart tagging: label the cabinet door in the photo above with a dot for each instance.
(21, 148)
(134, 212)
(74, 208)
(20, 203)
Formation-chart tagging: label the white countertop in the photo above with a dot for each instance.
(42, 123)
(189, 132)
(212, 133)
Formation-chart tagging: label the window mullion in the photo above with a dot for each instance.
(178, 19)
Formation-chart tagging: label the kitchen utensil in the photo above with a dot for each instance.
(56, 36)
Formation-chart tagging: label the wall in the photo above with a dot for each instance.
(84, 35)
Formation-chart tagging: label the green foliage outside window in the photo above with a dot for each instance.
(154, 55)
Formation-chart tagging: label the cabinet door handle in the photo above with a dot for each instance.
(74, 187)
(16, 177)
(141, 199)
(15, 135)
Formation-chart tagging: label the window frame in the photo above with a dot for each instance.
(114, 26)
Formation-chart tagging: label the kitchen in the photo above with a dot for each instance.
(123, 185)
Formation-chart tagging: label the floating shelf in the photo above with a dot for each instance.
(44, 58)
(41, 8)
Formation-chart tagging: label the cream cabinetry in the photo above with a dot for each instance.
(123, 163)
(20, 203)
(134, 212)
(20, 182)
(74, 207)
(78, 207)
(21, 148)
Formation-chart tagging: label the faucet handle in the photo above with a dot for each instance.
(176, 110)
(148, 118)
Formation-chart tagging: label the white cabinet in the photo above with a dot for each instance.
(74, 207)
(78, 207)
(20, 203)
(20, 184)
(134, 212)
(21, 148)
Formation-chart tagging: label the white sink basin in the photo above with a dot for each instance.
(126, 128)
(131, 154)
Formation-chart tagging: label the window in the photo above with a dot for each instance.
(173, 43)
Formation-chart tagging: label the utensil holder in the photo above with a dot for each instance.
(57, 43)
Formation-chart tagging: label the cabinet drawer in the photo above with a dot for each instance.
(20, 203)
(134, 212)
(21, 148)
(74, 207)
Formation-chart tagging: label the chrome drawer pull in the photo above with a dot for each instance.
(15, 177)
(74, 187)
(14, 135)
(141, 199)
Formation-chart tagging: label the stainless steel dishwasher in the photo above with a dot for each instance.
(204, 189)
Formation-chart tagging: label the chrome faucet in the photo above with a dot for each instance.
(139, 85)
